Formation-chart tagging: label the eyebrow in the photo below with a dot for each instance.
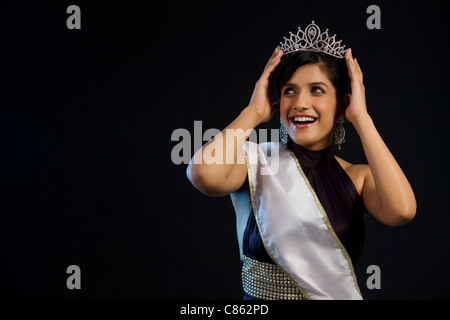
(310, 84)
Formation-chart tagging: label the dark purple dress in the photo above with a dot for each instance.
(339, 199)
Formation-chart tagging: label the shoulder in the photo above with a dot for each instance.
(356, 172)
(352, 167)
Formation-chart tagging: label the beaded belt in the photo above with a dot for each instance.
(268, 281)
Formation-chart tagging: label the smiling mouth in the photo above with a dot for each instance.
(302, 121)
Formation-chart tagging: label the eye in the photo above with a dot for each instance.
(317, 90)
(289, 91)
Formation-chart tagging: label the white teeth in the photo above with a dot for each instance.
(303, 119)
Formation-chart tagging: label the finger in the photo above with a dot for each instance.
(275, 52)
(350, 64)
(274, 60)
(274, 55)
(348, 59)
(271, 66)
(348, 53)
(358, 69)
(357, 75)
(353, 62)
(355, 72)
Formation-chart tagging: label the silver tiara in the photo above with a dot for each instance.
(313, 40)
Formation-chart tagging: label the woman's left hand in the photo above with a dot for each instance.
(357, 107)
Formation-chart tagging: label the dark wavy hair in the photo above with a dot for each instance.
(335, 68)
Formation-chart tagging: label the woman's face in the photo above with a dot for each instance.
(308, 107)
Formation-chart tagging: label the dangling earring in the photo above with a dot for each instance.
(283, 133)
(339, 132)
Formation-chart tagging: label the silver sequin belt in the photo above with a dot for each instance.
(268, 281)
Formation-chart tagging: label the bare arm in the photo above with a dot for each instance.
(218, 168)
(387, 194)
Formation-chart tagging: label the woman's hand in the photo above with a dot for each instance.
(386, 192)
(261, 98)
(357, 107)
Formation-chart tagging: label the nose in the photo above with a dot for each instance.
(302, 107)
(302, 103)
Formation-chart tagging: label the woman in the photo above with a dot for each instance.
(300, 223)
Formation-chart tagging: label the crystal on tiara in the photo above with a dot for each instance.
(313, 40)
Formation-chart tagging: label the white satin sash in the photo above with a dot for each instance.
(293, 225)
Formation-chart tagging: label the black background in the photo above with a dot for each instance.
(86, 122)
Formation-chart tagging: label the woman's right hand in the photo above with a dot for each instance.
(261, 98)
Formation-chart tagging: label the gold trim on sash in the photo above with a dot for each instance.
(327, 221)
(255, 211)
